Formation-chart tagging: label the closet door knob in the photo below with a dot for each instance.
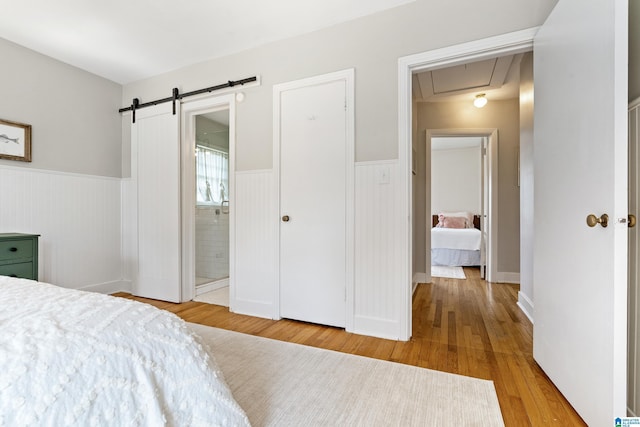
(592, 220)
(285, 218)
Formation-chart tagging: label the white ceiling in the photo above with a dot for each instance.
(125, 40)
(497, 78)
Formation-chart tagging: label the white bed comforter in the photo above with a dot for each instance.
(454, 238)
(77, 358)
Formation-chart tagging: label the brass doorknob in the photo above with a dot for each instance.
(592, 220)
(631, 221)
(285, 218)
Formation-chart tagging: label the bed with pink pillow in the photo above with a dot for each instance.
(456, 239)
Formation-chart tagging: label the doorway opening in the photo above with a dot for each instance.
(212, 201)
(409, 133)
(208, 155)
(459, 182)
(462, 179)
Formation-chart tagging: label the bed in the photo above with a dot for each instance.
(77, 358)
(459, 245)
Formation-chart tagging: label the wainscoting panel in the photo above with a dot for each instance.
(377, 296)
(256, 228)
(129, 249)
(78, 218)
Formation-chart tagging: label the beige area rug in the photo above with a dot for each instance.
(448, 272)
(217, 297)
(284, 384)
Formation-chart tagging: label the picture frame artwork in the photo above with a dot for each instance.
(15, 141)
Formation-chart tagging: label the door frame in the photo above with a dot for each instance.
(491, 47)
(492, 154)
(348, 76)
(191, 109)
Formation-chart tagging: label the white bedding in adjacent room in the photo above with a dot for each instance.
(69, 357)
(455, 238)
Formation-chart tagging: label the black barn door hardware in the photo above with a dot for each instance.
(177, 96)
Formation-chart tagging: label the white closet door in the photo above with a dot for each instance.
(313, 141)
(155, 145)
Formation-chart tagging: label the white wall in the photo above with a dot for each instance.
(525, 295)
(212, 243)
(455, 181)
(78, 220)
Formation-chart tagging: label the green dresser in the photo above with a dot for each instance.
(19, 255)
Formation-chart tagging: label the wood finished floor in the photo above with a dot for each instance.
(468, 327)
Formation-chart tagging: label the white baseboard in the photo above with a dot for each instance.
(109, 287)
(252, 308)
(506, 277)
(526, 305)
(375, 327)
(212, 286)
(418, 278)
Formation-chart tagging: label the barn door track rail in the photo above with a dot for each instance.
(177, 96)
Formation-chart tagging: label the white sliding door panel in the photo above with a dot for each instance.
(156, 170)
(313, 203)
(580, 272)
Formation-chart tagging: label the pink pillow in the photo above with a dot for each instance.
(454, 222)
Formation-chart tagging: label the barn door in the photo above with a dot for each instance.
(155, 169)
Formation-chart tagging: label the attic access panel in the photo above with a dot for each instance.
(480, 75)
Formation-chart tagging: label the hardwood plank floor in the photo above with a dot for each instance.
(468, 327)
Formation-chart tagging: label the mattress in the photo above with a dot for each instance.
(77, 358)
(455, 257)
(454, 238)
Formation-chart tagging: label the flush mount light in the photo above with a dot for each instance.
(480, 101)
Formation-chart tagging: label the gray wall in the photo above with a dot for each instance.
(503, 115)
(73, 114)
(634, 49)
(371, 45)
(212, 134)
(526, 176)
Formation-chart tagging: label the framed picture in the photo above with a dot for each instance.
(15, 141)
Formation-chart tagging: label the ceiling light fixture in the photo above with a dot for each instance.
(480, 100)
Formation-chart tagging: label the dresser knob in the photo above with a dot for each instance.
(13, 249)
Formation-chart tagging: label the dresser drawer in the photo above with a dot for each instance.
(16, 249)
(23, 270)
